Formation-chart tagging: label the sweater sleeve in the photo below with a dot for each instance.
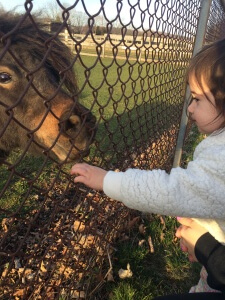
(196, 192)
(211, 254)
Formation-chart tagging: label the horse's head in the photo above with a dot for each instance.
(39, 108)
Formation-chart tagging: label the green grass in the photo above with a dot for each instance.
(129, 101)
(30, 177)
(166, 271)
(118, 86)
(126, 99)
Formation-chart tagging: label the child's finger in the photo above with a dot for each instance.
(78, 169)
(80, 179)
(179, 231)
(185, 221)
(183, 247)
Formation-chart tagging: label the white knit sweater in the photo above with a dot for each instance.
(196, 192)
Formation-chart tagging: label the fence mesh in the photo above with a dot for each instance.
(124, 105)
(215, 27)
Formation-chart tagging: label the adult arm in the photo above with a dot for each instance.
(203, 247)
(211, 254)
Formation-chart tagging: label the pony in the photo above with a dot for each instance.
(39, 108)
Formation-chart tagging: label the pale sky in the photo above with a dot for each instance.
(153, 14)
(92, 6)
(38, 4)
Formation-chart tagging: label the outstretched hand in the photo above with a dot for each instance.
(89, 175)
(189, 233)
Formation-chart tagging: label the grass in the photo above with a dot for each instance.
(114, 87)
(128, 106)
(31, 176)
(166, 271)
(126, 103)
(130, 100)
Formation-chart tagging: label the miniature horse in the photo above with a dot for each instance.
(39, 111)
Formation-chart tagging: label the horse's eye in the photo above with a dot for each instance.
(5, 77)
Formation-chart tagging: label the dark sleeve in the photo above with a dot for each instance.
(211, 254)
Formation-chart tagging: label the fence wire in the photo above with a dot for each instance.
(121, 108)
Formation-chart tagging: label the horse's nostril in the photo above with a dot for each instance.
(69, 123)
(72, 123)
(74, 120)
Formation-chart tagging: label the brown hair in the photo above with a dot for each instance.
(209, 65)
(37, 40)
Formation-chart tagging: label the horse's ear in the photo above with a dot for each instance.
(3, 155)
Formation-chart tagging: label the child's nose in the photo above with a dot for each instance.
(191, 107)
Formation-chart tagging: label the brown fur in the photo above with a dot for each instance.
(38, 97)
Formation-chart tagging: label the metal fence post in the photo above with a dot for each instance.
(199, 41)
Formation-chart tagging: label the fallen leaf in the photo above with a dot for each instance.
(78, 295)
(141, 243)
(42, 268)
(5, 224)
(4, 273)
(110, 276)
(162, 236)
(19, 293)
(162, 221)
(125, 273)
(133, 222)
(50, 293)
(78, 226)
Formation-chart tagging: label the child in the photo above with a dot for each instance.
(198, 191)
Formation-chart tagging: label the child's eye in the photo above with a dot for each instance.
(194, 99)
(191, 99)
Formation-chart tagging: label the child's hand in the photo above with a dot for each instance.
(89, 175)
(189, 233)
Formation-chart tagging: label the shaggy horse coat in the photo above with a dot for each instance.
(39, 110)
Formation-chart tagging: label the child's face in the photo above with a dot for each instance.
(202, 109)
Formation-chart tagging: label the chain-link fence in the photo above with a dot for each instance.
(116, 102)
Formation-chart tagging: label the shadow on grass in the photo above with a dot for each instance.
(120, 140)
(122, 137)
(136, 135)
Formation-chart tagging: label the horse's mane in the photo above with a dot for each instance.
(28, 37)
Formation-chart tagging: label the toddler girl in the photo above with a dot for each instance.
(197, 191)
